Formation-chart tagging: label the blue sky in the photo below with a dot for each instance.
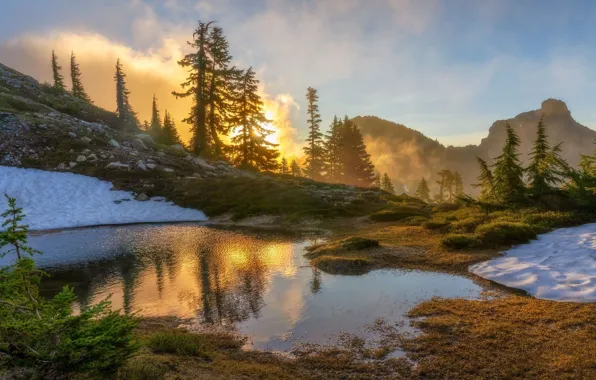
(447, 68)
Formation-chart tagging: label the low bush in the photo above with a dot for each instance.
(459, 241)
(415, 220)
(145, 367)
(396, 213)
(436, 224)
(502, 233)
(343, 265)
(553, 219)
(442, 207)
(179, 342)
(467, 225)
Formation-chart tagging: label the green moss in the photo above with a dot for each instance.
(459, 241)
(396, 214)
(179, 343)
(436, 224)
(343, 265)
(498, 234)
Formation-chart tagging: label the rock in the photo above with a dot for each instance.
(145, 138)
(114, 143)
(168, 170)
(161, 154)
(72, 134)
(178, 147)
(202, 163)
(86, 151)
(151, 166)
(85, 139)
(142, 197)
(72, 164)
(81, 158)
(103, 156)
(117, 165)
(92, 157)
(141, 166)
(62, 166)
(150, 160)
(139, 144)
(71, 151)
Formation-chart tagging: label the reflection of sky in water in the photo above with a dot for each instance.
(261, 283)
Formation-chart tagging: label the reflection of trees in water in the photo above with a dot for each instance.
(229, 269)
(315, 283)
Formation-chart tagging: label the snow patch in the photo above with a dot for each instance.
(558, 266)
(53, 200)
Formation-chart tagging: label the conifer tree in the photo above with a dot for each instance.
(169, 132)
(445, 183)
(314, 148)
(386, 184)
(77, 85)
(197, 86)
(358, 169)
(485, 181)
(223, 82)
(546, 165)
(126, 115)
(156, 128)
(250, 146)
(332, 149)
(508, 174)
(58, 78)
(283, 169)
(296, 171)
(458, 184)
(377, 180)
(422, 191)
(145, 127)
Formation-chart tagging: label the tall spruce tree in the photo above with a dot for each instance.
(77, 85)
(422, 190)
(458, 185)
(58, 78)
(197, 86)
(546, 167)
(486, 181)
(283, 168)
(358, 169)
(156, 129)
(126, 115)
(508, 173)
(445, 182)
(250, 146)
(386, 184)
(314, 150)
(169, 133)
(332, 148)
(295, 168)
(223, 83)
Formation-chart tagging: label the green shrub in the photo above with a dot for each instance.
(357, 243)
(467, 225)
(179, 343)
(442, 207)
(343, 265)
(44, 334)
(144, 367)
(396, 213)
(459, 241)
(502, 233)
(553, 219)
(415, 220)
(436, 224)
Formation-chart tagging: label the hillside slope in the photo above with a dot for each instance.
(42, 128)
(407, 155)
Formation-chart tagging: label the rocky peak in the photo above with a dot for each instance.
(554, 107)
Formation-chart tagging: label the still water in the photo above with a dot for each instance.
(260, 283)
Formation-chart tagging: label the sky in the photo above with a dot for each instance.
(447, 68)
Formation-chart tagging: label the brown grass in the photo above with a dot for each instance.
(504, 338)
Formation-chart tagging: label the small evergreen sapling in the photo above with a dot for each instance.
(43, 334)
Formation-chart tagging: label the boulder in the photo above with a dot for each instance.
(140, 165)
(142, 197)
(85, 140)
(114, 143)
(151, 166)
(145, 138)
(117, 165)
(81, 158)
(139, 144)
(168, 170)
(178, 147)
(202, 163)
(62, 166)
(72, 134)
(72, 164)
(92, 157)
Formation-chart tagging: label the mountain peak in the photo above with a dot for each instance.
(554, 107)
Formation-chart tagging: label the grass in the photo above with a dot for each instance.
(179, 343)
(511, 337)
(229, 361)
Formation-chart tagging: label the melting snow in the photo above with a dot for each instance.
(53, 200)
(559, 266)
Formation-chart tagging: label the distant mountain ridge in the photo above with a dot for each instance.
(408, 155)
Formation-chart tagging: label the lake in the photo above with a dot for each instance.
(257, 282)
